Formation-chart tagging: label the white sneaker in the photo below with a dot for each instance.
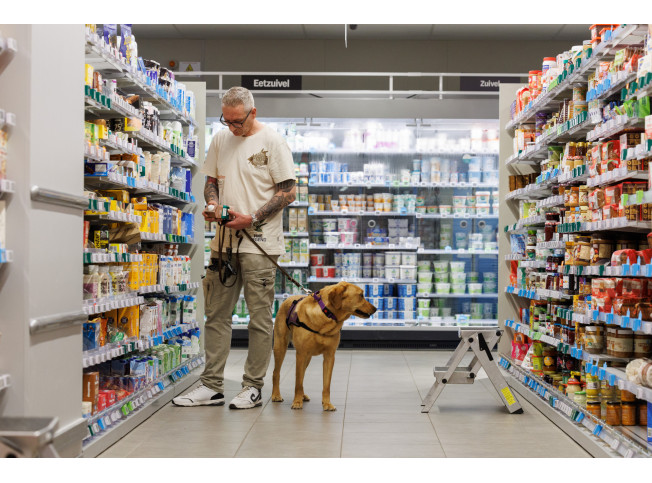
(200, 396)
(249, 397)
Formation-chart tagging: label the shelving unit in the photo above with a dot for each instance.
(562, 306)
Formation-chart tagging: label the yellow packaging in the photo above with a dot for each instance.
(112, 318)
(88, 76)
(119, 195)
(139, 203)
(129, 320)
(132, 124)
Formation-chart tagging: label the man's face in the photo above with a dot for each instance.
(237, 114)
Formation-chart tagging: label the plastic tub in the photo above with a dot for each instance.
(443, 288)
(329, 225)
(423, 303)
(331, 238)
(475, 164)
(423, 312)
(445, 209)
(459, 201)
(393, 272)
(482, 209)
(424, 277)
(475, 288)
(424, 288)
(459, 210)
(475, 176)
(409, 272)
(489, 276)
(440, 267)
(408, 258)
(490, 287)
(442, 277)
(473, 277)
(457, 266)
(329, 272)
(446, 311)
(458, 277)
(424, 265)
(405, 290)
(392, 259)
(458, 288)
(491, 246)
(471, 200)
(482, 197)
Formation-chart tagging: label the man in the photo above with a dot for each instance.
(249, 168)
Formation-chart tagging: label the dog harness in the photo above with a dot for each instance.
(293, 317)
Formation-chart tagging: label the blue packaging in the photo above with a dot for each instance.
(377, 302)
(91, 338)
(392, 314)
(388, 290)
(382, 314)
(407, 290)
(391, 303)
(407, 314)
(376, 289)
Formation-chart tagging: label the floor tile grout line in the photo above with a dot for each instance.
(419, 392)
(348, 380)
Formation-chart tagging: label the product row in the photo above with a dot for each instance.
(570, 376)
(148, 217)
(124, 49)
(434, 170)
(145, 321)
(109, 383)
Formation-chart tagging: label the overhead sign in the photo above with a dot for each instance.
(272, 82)
(485, 83)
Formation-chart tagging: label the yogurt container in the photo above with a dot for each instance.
(424, 277)
(333, 238)
(459, 201)
(458, 277)
(349, 238)
(482, 197)
(475, 176)
(392, 259)
(408, 272)
(317, 259)
(443, 288)
(423, 303)
(490, 287)
(482, 209)
(329, 225)
(442, 277)
(392, 271)
(423, 265)
(408, 258)
(378, 272)
(457, 266)
(475, 288)
(459, 210)
(391, 303)
(406, 290)
(458, 288)
(424, 288)
(445, 209)
(473, 277)
(440, 267)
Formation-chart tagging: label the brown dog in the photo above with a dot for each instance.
(342, 300)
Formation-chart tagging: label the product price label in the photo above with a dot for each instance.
(509, 397)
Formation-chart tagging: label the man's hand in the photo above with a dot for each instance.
(212, 215)
(238, 220)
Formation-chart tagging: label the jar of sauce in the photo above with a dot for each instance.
(614, 413)
(593, 407)
(628, 413)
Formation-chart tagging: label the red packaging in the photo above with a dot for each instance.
(87, 227)
(610, 150)
(621, 257)
(610, 211)
(109, 396)
(101, 402)
(596, 215)
(645, 256)
(612, 195)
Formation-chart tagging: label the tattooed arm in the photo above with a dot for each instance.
(211, 193)
(286, 193)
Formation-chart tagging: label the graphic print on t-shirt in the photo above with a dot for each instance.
(259, 159)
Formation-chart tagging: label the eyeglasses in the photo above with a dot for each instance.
(236, 124)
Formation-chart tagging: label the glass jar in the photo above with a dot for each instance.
(572, 386)
(614, 413)
(623, 343)
(580, 398)
(642, 413)
(628, 413)
(593, 407)
(594, 339)
(642, 345)
(626, 396)
(592, 385)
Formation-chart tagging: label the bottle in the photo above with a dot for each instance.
(105, 289)
(116, 273)
(91, 283)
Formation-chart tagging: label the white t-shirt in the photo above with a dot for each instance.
(250, 168)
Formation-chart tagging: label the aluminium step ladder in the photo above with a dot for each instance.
(27, 437)
(480, 342)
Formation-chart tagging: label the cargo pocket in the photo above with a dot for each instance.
(259, 288)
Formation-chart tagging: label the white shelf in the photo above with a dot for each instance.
(557, 200)
(431, 251)
(117, 216)
(555, 245)
(97, 306)
(294, 264)
(458, 152)
(7, 186)
(422, 184)
(297, 234)
(6, 256)
(419, 325)
(359, 280)
(8, 49)
(613, 127)
(7, 120)
(92, 255)
(5, 381)
(117, 349)
(619, 174)
(493, 216)
(298, 203)
(457, 295)
(359, 213)
(360, 246)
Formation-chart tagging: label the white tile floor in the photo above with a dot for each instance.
(378, 396)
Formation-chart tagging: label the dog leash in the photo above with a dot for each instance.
(238, 234)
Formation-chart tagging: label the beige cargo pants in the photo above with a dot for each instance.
(257, 275)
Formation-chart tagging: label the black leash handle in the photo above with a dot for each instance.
(287, 275)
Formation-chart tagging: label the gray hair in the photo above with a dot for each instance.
(236, 96)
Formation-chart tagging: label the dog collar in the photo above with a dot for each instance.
(323, 307)
(293, 318)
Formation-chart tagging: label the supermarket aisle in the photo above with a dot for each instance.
(378, 396)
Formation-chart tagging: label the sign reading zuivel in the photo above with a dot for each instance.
(272, 82)
(485, 83)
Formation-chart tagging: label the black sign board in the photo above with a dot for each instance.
(485, 83)
(272, 82)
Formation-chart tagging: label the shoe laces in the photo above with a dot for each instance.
(195, 391)
(245, 390)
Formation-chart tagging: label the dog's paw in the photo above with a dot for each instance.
(329, 407)
(277, 398)
(306, 398)
(297, 405)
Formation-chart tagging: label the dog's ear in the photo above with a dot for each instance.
(335, 296)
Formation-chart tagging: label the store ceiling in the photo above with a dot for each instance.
(565, 32)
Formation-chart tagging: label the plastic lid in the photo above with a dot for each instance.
(554, 59)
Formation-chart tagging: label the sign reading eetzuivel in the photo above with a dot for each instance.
(485, 83)
(272, 82)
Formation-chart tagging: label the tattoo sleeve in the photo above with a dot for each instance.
(210, 190)
(285, 194)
